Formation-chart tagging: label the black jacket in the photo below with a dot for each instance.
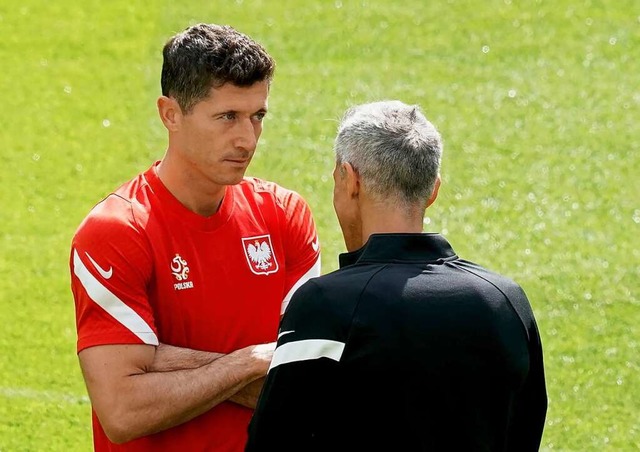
(405, 348)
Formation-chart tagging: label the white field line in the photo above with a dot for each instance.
(47, 396)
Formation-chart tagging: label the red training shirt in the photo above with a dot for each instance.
(145, 269)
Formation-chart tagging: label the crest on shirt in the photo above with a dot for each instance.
(180, 271)
(259, 253)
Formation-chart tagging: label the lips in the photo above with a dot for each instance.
(238, 161)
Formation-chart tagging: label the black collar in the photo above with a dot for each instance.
(424, 247)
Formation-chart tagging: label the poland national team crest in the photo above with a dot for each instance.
(259, 253)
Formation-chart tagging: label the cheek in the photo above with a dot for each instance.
(338, 203)
(198, 134)
(257, 129)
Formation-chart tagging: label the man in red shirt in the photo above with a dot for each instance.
(180, 276)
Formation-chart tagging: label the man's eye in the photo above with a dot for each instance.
(259, 116)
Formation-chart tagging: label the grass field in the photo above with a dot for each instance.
(538, 103)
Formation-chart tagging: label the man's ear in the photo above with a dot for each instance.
(434, 194)
(170, 113)
(353, 179)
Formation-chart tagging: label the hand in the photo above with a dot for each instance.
(264, 353)
(248, 396)
(264, 350)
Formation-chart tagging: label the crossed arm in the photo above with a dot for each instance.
(137, 390)
(169, 358)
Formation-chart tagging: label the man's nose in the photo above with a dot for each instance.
(247, 136)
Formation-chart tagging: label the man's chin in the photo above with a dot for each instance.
(235, 180)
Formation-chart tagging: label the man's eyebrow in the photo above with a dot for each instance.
(235, 112)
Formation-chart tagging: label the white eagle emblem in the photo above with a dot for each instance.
(259, 253)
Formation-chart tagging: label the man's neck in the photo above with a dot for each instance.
(377, 219)
(190, 191)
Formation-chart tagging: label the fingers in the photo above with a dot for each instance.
(264, 351)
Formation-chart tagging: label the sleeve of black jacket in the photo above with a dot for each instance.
(530, 407)
(294, 404)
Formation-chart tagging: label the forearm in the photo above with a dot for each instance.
(143, 402)
(248, 395)
(170, 358)
(158, 401)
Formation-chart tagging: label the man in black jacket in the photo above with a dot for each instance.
(407, 347)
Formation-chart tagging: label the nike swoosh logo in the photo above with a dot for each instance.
(315, 245)
(106, 274)
(285, 333)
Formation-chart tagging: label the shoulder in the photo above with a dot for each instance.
(314, 312)
(336, 293)
(121, 213)
(262, 185)
(114, 211)
(283, 196)
(501, 287)
(492, 278)
(325, 307)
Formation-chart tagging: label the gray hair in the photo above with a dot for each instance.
(393, 147)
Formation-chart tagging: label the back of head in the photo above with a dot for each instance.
(393, 147)
(206, 56)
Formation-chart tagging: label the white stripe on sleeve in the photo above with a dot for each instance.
(313, 272)
(112, 304)
(305, 350)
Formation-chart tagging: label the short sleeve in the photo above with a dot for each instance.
(302, 247)
(110, 268)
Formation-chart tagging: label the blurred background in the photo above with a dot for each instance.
(538, 103)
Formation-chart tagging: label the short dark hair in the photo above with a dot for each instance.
(206, 56)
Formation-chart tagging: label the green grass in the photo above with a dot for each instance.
(538, 103)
